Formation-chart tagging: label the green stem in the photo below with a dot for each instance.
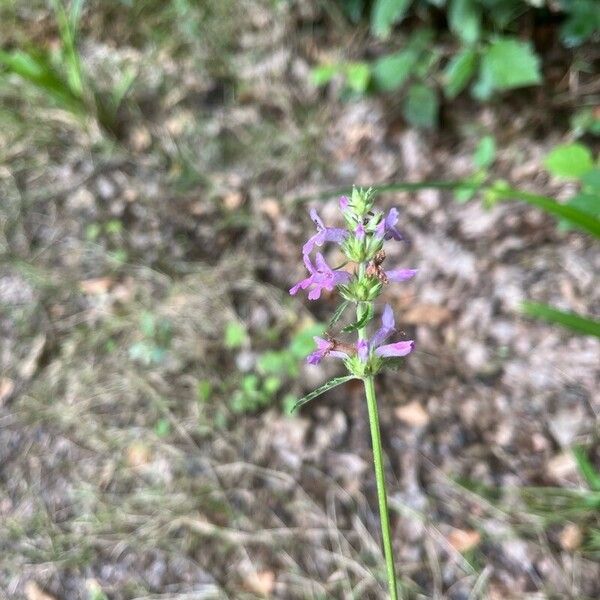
(384, 516)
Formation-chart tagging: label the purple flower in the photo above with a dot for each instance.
(321, 277)
(359, 232)
(395, 349)
(387, 229)
(324, 234)
(362, 349)
(399, 275)
(324, 348)
(344, 203)
(388, 326)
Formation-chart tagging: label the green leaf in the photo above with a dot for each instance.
(569, 161)
(586, 468)
(323, 74)
(358, 76)
(353, 9)
(485, 153)
(591, 181)
(148, 324)
(204, 390)
(339, 311)
(162, 428)
(459, 71)
(250, 383)
(365, 318)
(277, 363)
(575, 216)
(573, 321)
(302, 343)
(235, 335)
(67, 27)
(582, 23)
(391, 72)
(385, 13)
(332, 383)
(587, 203)
(37, 70)
(585, 121)
(464, 20)
(271, 385)
(421, 106)
(507, 63)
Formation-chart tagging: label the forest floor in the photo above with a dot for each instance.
(145, 279)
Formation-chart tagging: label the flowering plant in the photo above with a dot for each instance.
(362, 242)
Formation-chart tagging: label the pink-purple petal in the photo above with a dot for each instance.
(362, 350)
(387, 317)
(395, 349)
(391, 232)
(398, 275)
(316, 219)
(388, 325)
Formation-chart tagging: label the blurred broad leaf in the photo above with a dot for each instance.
(391, 72)
(358, 76)
(587, 203)
(235, 335)
(569, 161)
(353, 9)
(507, 63)
(204, 390)
(485, 153)
(464, 20)
(421, 106)
(459, 72)
(591, 181)
(277, 362)
(385, 13)
(570, 320)
(323, 74)
(582, 23)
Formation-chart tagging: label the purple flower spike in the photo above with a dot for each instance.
(395, 349)
(321, 277)
(387, 229)
(344, 202)
(324, 234)
(324, 348)
(398, 275)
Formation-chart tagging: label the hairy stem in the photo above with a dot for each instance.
(384, 516)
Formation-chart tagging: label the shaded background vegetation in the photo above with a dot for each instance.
(156, 163)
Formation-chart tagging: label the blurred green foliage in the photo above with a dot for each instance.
(157, 335)
(488, 53)
(573, 162)
(273, 371)
(59, 75)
